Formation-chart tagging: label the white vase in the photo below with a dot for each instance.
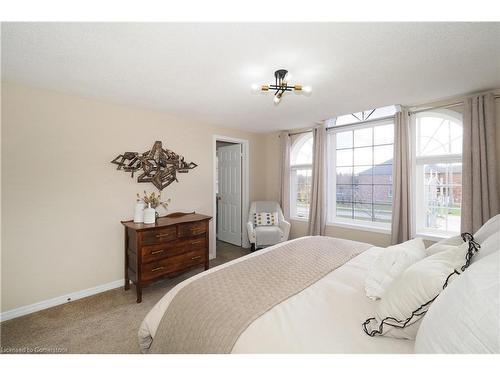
(139, 212)
(149, 215)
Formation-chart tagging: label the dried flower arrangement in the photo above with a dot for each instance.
(153, 199)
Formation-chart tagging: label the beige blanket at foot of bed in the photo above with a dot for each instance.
(209, 314)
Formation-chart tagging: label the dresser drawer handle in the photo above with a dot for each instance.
(163, 235)
(156, 269)
(157, 252)
(196, 242)
(196, 257)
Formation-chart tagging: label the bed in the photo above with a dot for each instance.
(324, 317)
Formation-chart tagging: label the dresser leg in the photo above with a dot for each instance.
(127, 281)
(139, 294)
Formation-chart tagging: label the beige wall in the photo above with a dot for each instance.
(271, 168)
(63, 200)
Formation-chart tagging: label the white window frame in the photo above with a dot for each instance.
(333, 220)
(417, 164)
(293, 184)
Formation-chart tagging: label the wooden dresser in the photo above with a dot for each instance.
(175, 244)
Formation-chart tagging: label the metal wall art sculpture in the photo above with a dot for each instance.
(158, 166)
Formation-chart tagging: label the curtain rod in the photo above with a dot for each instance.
(425, 109)
(302, 132)
(451, 105)
(456, 104)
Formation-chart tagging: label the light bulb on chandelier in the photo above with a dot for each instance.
(255, 88)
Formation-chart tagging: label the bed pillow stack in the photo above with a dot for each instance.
(407, 299)
(409, 296)
(418, 282)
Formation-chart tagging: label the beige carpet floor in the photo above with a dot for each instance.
(104, 323)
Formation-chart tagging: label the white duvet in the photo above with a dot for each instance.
(324, 318)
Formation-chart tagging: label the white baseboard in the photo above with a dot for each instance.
(25, 310)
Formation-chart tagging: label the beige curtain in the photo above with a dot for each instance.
(479, 177)
(317, 208)
(401, 184)
(284, 193)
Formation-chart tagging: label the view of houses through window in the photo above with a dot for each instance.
(438, 171)
(361, 173)
(360, 168)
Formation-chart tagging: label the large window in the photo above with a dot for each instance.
(301, 171)
(360, 174)
(437, 154)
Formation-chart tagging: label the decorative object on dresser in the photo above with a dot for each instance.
(151, 202)
(149, 215)
(159, 166)
(175, 244)
(139, 211)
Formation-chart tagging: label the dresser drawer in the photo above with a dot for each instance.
(192, 229)
(169, 249)
(159, 236)
(155, 252)
(172, 264)
(195, 243)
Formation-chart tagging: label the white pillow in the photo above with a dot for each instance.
(489, 246)
(489, 228)
(444, 244)
(390, 264)
(411, 294)
(465, 316)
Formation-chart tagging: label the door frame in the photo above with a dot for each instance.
(245, 178)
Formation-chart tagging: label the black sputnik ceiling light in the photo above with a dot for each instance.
(281, 85)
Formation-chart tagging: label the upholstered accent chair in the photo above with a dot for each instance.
(266, 235)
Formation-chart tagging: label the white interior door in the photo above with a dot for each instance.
(229, 199)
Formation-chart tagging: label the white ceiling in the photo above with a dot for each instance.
(203, 72)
